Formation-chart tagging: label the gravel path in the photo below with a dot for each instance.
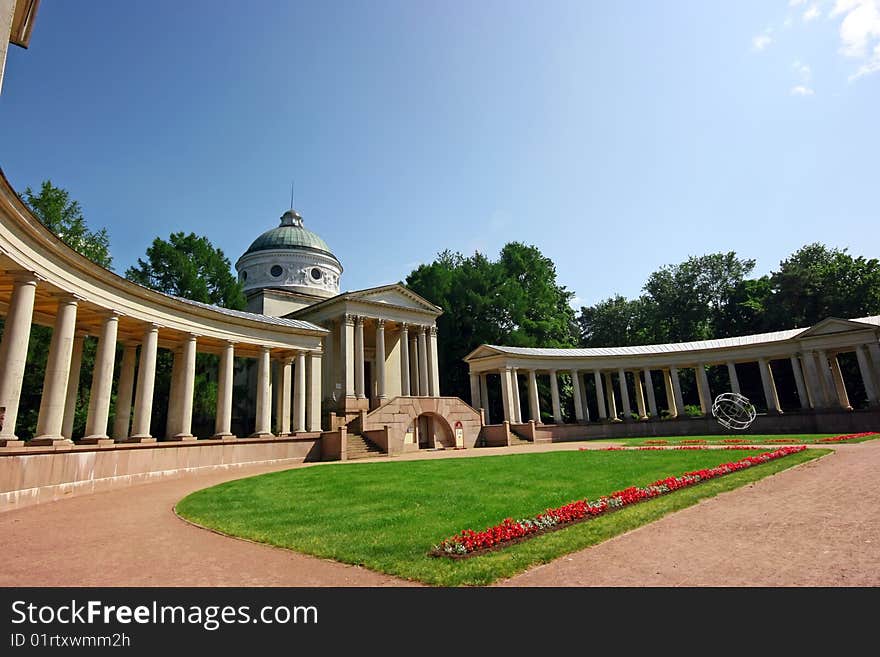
(817, 524)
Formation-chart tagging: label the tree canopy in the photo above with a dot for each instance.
(63, 216)
(191, 267)
(514, 300)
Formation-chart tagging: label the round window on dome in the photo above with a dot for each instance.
(316, 274)
(276, 271)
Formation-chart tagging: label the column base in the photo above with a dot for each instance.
(100, 441)
(224, 436)
(181, 437)
(50, 442)
(262, 434)
(139, 439)
(11, 442)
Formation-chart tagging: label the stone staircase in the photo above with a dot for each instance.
(516, 439)
(359, 447)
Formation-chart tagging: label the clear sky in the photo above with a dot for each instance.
(615, 136)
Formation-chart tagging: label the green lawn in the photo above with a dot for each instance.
(387, 515)
(795, 439)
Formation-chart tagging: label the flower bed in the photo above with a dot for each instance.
(469, 542)
(693, 442)
(734, 441)
(849, 436)
(656, 442)
(789, 441)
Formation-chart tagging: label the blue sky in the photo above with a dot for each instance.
(617, 137)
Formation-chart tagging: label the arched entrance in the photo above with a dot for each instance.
(433, 432)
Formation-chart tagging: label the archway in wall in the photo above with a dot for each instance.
(433, 432)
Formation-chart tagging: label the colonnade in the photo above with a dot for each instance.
(817, 374)
(135, 395)
(419, 368)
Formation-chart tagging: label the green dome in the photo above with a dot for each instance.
(289, 235)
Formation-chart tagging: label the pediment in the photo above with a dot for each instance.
(834, 325)
(394, 295)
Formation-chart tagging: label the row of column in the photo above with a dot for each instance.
(817, 376)
(297, 395)
(419, 368)
(134, 404)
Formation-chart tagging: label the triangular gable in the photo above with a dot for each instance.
(394, 295)
(834, 325)
(482, 351)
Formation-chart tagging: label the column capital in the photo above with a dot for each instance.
(264, 348)
(380, 323)
(433, 329)
(25, 277)
(404, 327)
(348, 319)
(66, 297)
(359, 320)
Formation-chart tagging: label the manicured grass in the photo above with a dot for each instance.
(387, 515)
(795, 438)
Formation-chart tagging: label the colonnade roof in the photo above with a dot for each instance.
(832, 324)
(266, 319)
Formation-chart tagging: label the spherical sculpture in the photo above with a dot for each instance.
(733, 411)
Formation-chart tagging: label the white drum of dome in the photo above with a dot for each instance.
(734, 411)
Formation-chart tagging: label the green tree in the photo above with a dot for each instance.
(191, 267)
(515, 300)
(63, 216)
(817, 282)
(614, 322)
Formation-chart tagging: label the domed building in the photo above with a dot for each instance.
(381, 350)
(288, 267)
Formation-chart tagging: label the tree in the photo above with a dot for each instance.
(515, 300)
(63, 216)
(614, 322)
(191, 267)
(816, 282)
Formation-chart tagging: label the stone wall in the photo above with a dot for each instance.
(398, 414)
(32, 475)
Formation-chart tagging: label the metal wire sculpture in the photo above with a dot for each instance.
(733, 411)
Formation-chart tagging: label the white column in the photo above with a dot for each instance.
(578, 397)
(839, 384)
(13, 352)
(187, 388)
(124, 392)
(652, 398)
(799, 382)
(286, 395)
(600, 394)
(584, 401)
(769, 386)
(359, 358)
(534, 402)
(263, 422)
(814, 384)
(314, 396)
(640, 395)
(671, 406)
(554, 397)
(414, 364)
(867, 379)
(505, 394)
(404, 364)
(146, 380)
(874, 358)
(225, 376)
(624, 395)
(475, 389)
(102, 382)
(703, 389)
(517, 406)
(609, 396)
(434, 365)
(826, 378)
(484, 395)
(299, 393)
(424, 386)
(51, 418)
(72, 396)
(380, 359)
(172, 418)
(676, 392)
(734, 379)
(346, 334)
